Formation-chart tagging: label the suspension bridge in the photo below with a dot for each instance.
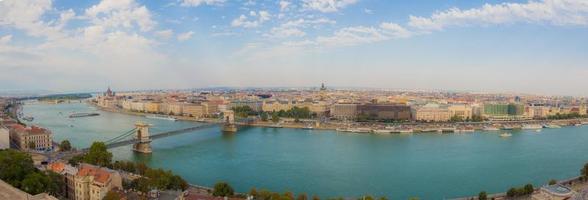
(140, 138)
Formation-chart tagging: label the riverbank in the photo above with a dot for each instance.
(385, 128)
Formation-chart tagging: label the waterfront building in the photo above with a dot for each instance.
(194, 110)
(137, 106)
(153, 107)
(432, 113)
(463, 111)
(24, 137)
(92, 182)
(214, 107)
(504, 111)
(344, 111)
(255, 105)
(4, 138)
(276, 105)
(385, 111)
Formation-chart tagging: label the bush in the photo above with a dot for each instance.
(222, 189)
(483, 196)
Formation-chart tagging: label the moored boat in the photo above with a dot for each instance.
(532, 126)
(505, 135)
(161, 117)
(76, 115)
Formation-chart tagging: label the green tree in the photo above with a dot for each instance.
(552, 182)
(65, 145)
(275, 117)
(483, 195)
(34, 183)
(584, 171)
(253, 192)
(222, 189)
(288, 196)
(56, 184)
(367, 197)
(98, 155)
(15, 166)
(512, 192)
(528, 189)
(112, 195)
(264, 116)
(382, 198)
(314, 197)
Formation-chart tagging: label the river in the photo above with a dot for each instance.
(332, 164)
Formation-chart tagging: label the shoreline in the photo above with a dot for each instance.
(373, 127)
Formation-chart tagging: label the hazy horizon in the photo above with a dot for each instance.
(515, 46)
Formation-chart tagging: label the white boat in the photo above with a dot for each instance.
(382, 131)
(308, 127)
(532, 126)
(552, 126)
(161, 117)
(490, 128)
(405, 130)
(507, 128)
(361, 130)
(505, 135)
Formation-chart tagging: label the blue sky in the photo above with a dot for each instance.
(494, 46)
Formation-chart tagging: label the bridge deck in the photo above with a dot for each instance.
(161, 135)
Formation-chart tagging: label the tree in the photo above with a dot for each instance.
(112, 195)
(584, 171)
(382, 198)
(15, 166)
(302, 196)
(482, 196)
(65, 145)
(98, 155)
(56, 184)
(264, 116)
(512, 192)
(253, 192)
(34, 183)
(288, 195)
(275, 118)
(222, 189)
(552, 182)
(314, 197)
(528, 189)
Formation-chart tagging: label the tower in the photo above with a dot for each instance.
(143, 144)
(229, 122)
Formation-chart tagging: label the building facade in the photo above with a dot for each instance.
(4, 138)
(31, 138)
(385, 111)
(92, 182)
(344, 111)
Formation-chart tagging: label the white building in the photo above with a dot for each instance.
(4, 138)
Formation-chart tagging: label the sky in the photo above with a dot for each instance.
(538, 46)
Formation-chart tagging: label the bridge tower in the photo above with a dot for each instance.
(229, 122)
(143, 144)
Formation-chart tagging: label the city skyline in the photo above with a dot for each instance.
(534, 47)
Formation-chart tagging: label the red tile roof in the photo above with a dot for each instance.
(100, 175)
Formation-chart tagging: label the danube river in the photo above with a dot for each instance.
(329, 164)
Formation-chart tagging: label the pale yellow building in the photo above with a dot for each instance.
(92, 182)
(344, 111)
(152, 107)
(24, 137)
(463, 111)
(194, 110)
(432, 113)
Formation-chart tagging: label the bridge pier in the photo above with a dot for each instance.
(229, 124)
(143, 144)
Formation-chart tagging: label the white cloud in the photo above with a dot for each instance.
(368, 11)
(121, 13)
(556, 12)
(165, 34)
(185, 36)
(356, 35)
(27, 15)
(258, 19)
(327, 5)
(294, 28)
(196, 3)
(284, 5)
(5, 39)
